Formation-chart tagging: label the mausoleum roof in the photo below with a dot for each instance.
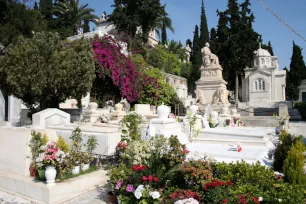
(262, 53)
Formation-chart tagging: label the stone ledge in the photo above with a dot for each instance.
(37, 192)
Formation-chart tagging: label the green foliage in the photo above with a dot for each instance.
(268, 47)
(17, 20)
(76, 140)
(45, 70)
(253, 178)
(132, 122)
(165, 92)
(283, 134)
(62, 145)
(235, 31)
(204, 35)
(92, 144)
(294, 164)
(75, 12)
(296, 74)
(166, 61)
(35, 143)
(44, 139)
(163, 23)
(281, 151)
(301, 106)
(128, 15)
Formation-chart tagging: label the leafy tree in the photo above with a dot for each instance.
(177, 48)
(237, 39)
(164, 23)
(213, 34)
(204, 35)
(297, 72)
(75, 12)
(129, 15)
(16, 20)
(166, 61)
(45, 71)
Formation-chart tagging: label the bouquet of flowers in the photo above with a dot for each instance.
(50, 155)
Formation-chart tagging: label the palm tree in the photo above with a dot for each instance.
(177, 48)
(75, 13)
(164, 23)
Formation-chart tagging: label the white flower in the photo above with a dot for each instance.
(43, 148)
(280, 200)
(154, 194)
(138, 191)
(260, 199)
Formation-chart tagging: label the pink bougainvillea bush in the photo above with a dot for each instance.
(111, 62)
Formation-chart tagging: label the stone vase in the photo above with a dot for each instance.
(85, 167)
(50, 174)
(163, 112)
(93, 106)
(76, 170)
(119, 107)
(224, 110)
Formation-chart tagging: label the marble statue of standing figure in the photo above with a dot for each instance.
(208, 57)
(199, 96)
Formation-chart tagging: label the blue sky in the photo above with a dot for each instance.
(185, 14)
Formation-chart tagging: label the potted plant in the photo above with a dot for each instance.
(75, 160)
(51, 156)
(86, 160)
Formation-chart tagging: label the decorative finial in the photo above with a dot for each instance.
(260, 45)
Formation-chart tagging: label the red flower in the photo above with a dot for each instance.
(150, 177)
(255, 199)
(155, 179)
(229, 183)
(224, 201)
(144, 178)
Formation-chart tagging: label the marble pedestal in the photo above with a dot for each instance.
(165, 127)
(117, 115)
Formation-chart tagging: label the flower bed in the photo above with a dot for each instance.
(156, 171)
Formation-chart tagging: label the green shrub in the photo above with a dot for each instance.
(248, 178)
(44, 139)
(35, 143)
(282, 149)
(76, 140)
(62, 145)
(283, 134)
(92, 144)
(301, 106)
(294, 165)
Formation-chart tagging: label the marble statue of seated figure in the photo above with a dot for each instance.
(208, 57)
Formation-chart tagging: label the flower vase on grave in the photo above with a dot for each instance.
(119, 107)
(41, 174)
(50, 175)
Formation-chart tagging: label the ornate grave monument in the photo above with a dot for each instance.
(211, 87)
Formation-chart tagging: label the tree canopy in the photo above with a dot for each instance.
(44, 71)
(204, 35)
(130, 15)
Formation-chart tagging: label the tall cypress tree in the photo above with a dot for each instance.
(86, 27)
(204, 35)
(237, 39)
(36, 6)
(268, 47)
(45, 7)
(297, 71)
(213, 34)
(196, 60)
